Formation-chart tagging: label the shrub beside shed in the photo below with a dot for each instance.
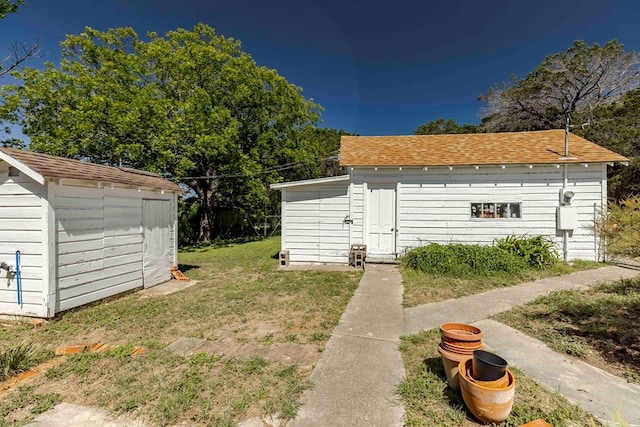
(80, 232)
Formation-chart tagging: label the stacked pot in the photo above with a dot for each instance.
(458, 341)
(486, 384)
(488, 387)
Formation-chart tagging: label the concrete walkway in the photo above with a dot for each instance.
(480, 306)
(605, 396)
(355, 379)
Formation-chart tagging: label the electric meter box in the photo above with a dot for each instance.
(567, 217)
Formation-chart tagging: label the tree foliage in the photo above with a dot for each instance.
(581, 79)
(9, 6)
(190, 105)
(617, 127)
(442, 126)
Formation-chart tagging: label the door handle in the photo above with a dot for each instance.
(392, 229)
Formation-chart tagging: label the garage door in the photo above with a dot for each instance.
(157, 245)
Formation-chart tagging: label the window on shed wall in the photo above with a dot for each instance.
(13, 171)
(501, 210)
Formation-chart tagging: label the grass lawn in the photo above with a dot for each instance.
(423, 288)
(428, 399)
(430, 402)
(599, 325)
(242, 298)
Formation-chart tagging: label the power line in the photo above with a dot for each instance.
(278, 168)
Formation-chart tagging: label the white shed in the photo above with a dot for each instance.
(73, 232)
(401, 192)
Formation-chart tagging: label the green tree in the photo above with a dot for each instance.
(617, 127)
(190, 105)
(442, 126)
(13, 143)
(323, 154)
(9, 6)
(578, 80)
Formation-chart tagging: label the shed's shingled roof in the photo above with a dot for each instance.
(539, 147)
(60, 167)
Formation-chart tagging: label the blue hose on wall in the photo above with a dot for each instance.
(18, 279)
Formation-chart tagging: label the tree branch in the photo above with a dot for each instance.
(18, 54)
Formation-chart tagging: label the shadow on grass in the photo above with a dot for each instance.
(606, 319)
(452, 397)
(187, 267)
(222, 243)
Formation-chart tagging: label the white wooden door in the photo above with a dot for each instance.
(381, 216)
(157, 260)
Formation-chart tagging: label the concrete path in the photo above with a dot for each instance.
(480, 306)
(358, 372)
(361, 365)
(598, 392)
(67, 414)
(607, 397)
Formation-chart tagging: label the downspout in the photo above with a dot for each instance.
(565, 184)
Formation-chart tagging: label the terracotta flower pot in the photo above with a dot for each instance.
(537, 423)
(457, 350)
(460, 332)
(488, 405)
(450, 362)
(499, 383)
(470, 345)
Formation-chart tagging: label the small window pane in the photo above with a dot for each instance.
(476, 209)
(13, 171)
(496, 210)
(488, 210)
(515, 210)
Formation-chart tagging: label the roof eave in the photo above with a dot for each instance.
(623, 161)
(22, 168)
(316, 181)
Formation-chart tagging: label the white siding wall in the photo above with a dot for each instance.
(99, 241)
(314, 228)
(21, 230)
(434, 205)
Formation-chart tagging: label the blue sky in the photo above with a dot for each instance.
(377, 67)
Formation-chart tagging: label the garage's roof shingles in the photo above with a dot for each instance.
(60, 167)
(539, 147)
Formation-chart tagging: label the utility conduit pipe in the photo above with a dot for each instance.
(18, 279)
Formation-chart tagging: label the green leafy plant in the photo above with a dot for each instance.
(537, 251)
(619, 227)
(463, 260)
(16, 359)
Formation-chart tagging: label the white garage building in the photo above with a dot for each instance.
(400, 192)
(73, 232)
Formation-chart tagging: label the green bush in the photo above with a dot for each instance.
(619, 227)
(537, 251)
(463, 260)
